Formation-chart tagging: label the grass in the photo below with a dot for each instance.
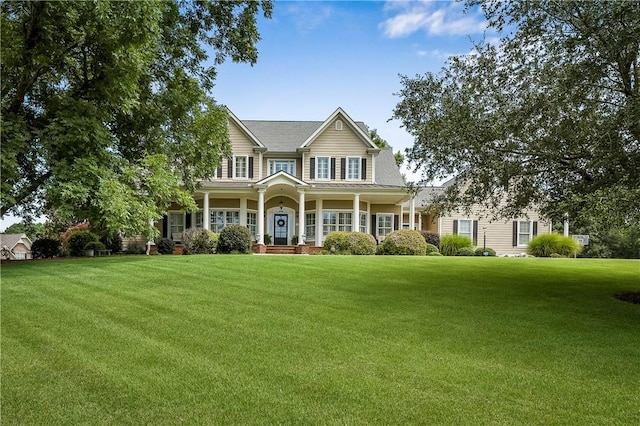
(319, 340)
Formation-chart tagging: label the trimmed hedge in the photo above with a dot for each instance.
(466, 251)
(165, 246)
(404, 242)
(45, 248)
(450, 244)
(432, 238)
(95, 245)
(490, 251)
(200, 241)
(234, 239)
(350, 243)
(78, 240)
(547, 244)
(432, 249)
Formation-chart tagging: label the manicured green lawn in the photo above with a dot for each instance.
(319, 340)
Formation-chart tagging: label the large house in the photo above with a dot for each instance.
(294, 182)
(15, 247)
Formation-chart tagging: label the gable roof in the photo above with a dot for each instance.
(387, 171)
(288, 136)
(244, 129)
(11, 240)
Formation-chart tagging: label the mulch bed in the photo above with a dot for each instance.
(631, 297)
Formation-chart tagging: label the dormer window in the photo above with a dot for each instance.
(338, 124)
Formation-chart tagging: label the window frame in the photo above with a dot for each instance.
(363, 221)
(222, 214)
(272, 162)
(310, 228)
(338, 125)
(246, 166)
(357, 162)
(252, 223)
(170, 225)
(529, 234)
(317, 176)
(464, 234)
(379, 229)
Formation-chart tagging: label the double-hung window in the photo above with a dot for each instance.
(252, 223)
(198, 222)
(524, 232)
(363, 222)
(465, 228)
(176, 225)
(310, 226)
(353, 168)
(385, 224)
(323, 168)
(221, 218)
(344, 221)
(329, 222)
(240, 166)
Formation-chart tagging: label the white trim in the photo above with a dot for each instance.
(466, 219)
(378, 215)
(338, 125)
(174, 235)
(359, 165)
(363, 136)
(328, 178)
(272, 161)
(235, 168)
(530, 233)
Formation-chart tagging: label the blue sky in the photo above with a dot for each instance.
(315, 56)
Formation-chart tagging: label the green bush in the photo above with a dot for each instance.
(78, 240)
(434, 253)
(95, 245)
(431, 238)
(354, 243)
(234, 239)
(45, 248)
(450, 244)
(466, 251)
(556, 255)
(200, 241)
(432, 249)
(547, 244)
(112, 242)
(165, 246)
(480, 251)
(267, 239)
(405, 242)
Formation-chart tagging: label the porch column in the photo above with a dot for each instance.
(368, 217)
(419, 221)
(261, 192)
(401, 224)
(319, 222)
(150, 239)
(206, 217)
(301, 218)
(243, 211)
(355, 220)
(566, 225)
(412, 214)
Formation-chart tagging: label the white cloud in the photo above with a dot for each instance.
(309, 16)
(433, 17)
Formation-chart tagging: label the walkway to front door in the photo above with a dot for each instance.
(280, 227)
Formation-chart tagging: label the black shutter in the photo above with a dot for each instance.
(455, 227)
(343, 168)
(475, 232)
(333, 168)
(515, 233)
(219, 171)
(396, 220)
(165, 226)
(364, 169)
(374, 225)
(187, 221)
(230, 167)
(312, 168)
(535, 228)
(251, 167)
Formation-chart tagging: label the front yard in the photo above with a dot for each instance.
(319, 340)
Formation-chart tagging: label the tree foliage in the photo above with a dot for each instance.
(548, 118)
(383, 144)
(107, 112)
(33, 230)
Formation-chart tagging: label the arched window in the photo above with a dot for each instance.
(338, 124)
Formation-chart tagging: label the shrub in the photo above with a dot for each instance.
(450, 244)
(95, 245)
(490, 251)
(432, 249)
(547, 244)
(434, 253)
(234, 239)
(556, 255)
(405, 242)
(45, 248)
(136, 247)
(165, 246)
(78, 240)
(356, 243)
(267, 239)
(466, 251)
(112, 242)
(432, 238)
(199, 241)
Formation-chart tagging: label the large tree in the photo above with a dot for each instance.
(548, 118)
(107, 111)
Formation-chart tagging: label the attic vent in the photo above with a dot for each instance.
(338, 124)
